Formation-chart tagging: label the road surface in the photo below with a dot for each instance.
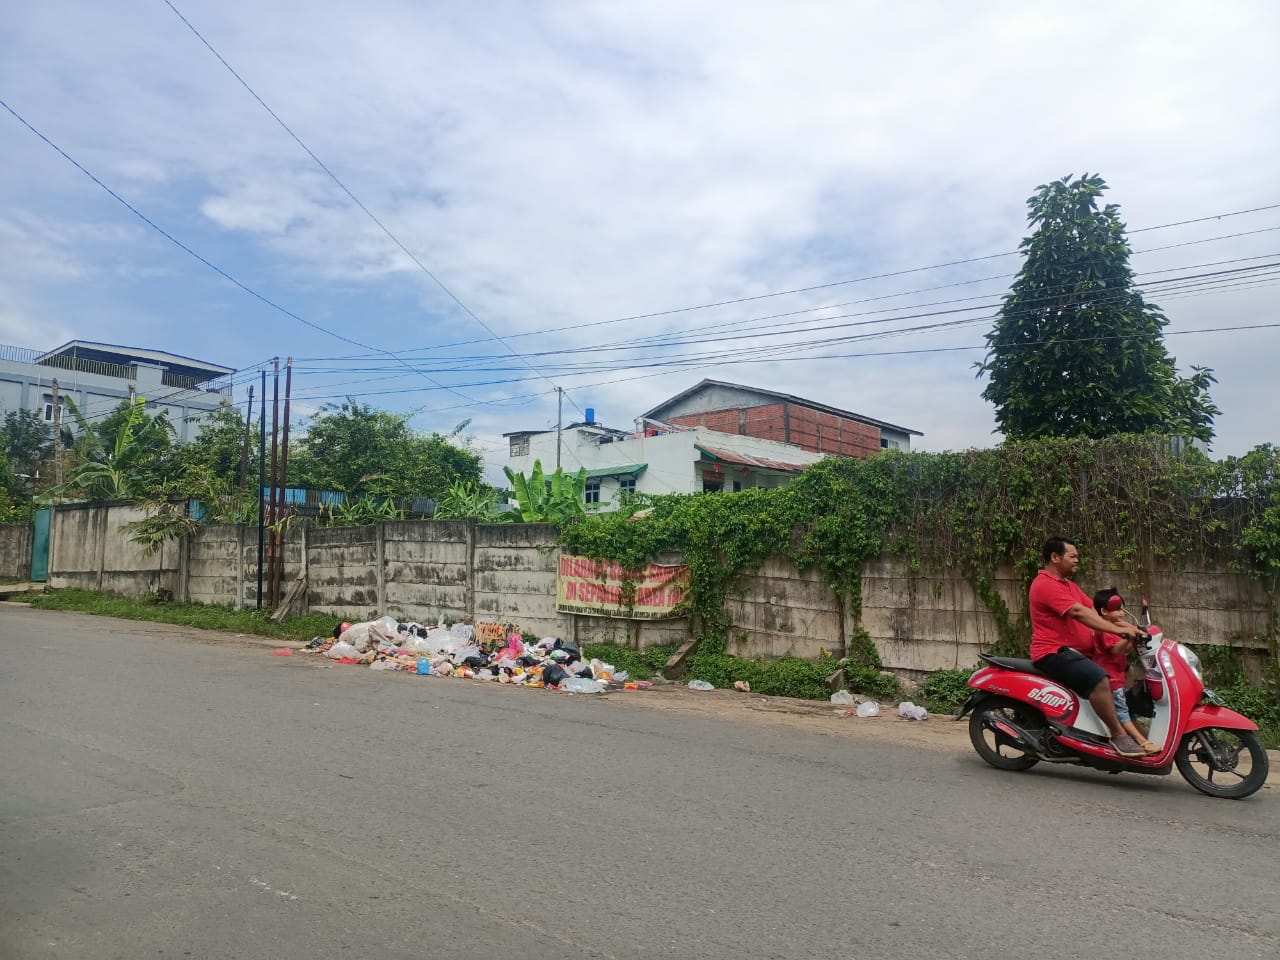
(165, 794)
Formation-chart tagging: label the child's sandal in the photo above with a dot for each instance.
(1150, 748)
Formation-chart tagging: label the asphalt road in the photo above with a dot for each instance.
(162, 796)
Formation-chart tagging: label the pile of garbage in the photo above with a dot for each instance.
(456, 651)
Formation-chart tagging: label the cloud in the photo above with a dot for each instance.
(562, 166)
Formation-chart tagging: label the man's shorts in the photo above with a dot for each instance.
(1072, 669)
(1122, 705)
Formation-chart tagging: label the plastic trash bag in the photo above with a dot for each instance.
(582, 685)
(341, 649)
(909, 711)
(554, 674)
(700, 685)
(462, 654)
(868, 709)
(842, 698)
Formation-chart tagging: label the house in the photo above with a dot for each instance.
(661, 458)
(98, 376)
(753, 412)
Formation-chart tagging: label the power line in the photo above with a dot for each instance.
(208, 263)
(345, 189)
(1102, 296)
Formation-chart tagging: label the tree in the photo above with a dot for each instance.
(549, 498)
(357, 450)
(122, 462)
(216, 448)
(28, 442)
(1076, 350)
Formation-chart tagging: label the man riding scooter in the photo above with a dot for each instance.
(1062, 621)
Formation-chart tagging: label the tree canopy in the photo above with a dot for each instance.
(357, 450)
(1076, 350)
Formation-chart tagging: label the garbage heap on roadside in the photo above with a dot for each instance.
(501, 656)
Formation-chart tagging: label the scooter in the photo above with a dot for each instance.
(1019, 717)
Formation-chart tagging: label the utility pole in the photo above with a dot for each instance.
(244, 449)
(284, 479)
(559, 421)
(275, 452)
(262, 481)
(57, 435)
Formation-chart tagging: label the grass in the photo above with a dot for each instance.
(200, 615)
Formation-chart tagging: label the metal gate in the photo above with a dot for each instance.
(40, 545)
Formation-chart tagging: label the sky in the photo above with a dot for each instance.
(540, 186)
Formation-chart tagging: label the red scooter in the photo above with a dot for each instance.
(1019, 717)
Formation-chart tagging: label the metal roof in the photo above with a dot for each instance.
(717, 455)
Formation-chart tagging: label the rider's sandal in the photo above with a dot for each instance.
(1126, 746)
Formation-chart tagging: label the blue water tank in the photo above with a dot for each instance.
(591, 414)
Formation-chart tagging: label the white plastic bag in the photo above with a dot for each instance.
(462, 653)
(341, 649)
(909, 711)
(700, 685)
(869, 709)
(842, 698)
(582, 685)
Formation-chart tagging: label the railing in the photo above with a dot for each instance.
(119, 371)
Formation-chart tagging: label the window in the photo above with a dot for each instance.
(626, 484)
(520, 446)
(712, 485)
(884, 444)
(50, 412)
(592, 493)
(737, 486)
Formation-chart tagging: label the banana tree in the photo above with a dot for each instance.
(118, 471)
(555, 498)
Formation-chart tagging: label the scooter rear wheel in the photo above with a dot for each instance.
(1001, 755)
(1234, 757)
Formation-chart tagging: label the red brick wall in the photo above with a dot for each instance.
(828, 433)
(788, 423)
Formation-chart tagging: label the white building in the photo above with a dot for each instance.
(98, 376)
(661, 458)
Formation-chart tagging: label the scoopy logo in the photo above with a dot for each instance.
(1053, 698)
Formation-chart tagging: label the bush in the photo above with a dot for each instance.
(946, 690)
(1259, 705)
(639, 664)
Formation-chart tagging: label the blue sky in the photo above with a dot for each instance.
(562, 165)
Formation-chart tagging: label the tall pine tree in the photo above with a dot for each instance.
(1076, 351)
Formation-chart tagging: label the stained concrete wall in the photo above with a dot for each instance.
(15, 551)
(90, 548)
(422, 570)
(213, 567)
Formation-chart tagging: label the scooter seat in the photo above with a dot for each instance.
(1013, 663)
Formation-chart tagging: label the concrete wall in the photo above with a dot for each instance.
(90, 548)
(213, 565)
(15, 551)
(422, 570)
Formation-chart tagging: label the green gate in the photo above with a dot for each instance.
(40, 545)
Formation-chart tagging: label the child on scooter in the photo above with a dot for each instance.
(1111, 653)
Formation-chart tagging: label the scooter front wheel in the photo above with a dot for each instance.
(1230, 764)
(1002, 756)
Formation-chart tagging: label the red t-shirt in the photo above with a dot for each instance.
(1050, 599)
(1116, 664)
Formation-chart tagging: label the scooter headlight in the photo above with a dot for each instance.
(1192, 661)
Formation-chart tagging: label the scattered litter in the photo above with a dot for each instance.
(700, 685)
(490, 652)
(909, 711)
(842, 698)
(742, 686)
(282, 652)
(868, 709)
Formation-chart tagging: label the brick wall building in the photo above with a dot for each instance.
(768, 415)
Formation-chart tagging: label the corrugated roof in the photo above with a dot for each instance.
(745, 460)
(629, 470)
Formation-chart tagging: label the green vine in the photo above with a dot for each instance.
(1129, 502)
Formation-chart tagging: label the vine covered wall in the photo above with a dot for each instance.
(1136, 509)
